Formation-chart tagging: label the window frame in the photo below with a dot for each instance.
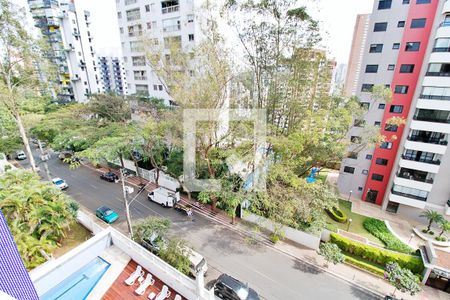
(383, 28)
(371, 69)
(412, 46)
(417, 23)
(407, 68)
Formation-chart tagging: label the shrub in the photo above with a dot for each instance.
(7, 168)
(425, 230)
(379, 229)
(440, 239)
(337, 214)
(431, 232)
(376, 255)
(274, 238)
(331, 227)
(365, 266)
(331, 252)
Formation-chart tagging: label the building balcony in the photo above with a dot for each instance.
(75, 77)
(446, 8)
(407, 201)
(140, 77)
(440, 104)
(76, 34)
(417, 165)
(432, 161)
(429, 126)
(170, 9)
(424, 146)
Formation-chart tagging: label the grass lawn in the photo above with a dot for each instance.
(322, 176)
(357, 222)
(77, 235)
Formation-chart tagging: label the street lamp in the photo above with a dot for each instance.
(350, 195)
(412, 235)
(349, 223)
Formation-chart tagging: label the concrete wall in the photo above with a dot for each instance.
(300, 237)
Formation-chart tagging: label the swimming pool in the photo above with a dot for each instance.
(79, 284)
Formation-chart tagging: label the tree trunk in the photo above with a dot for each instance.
(47, 172)
(121, 161)
(157, 176)
(213, 203)
(25, 142)
(429, 225)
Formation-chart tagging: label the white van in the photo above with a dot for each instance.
(164, 197)
(198, 263)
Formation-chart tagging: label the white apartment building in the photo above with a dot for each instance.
(67, 28)
(159, 21)
(112, 75)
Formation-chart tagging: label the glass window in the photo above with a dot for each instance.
(405, 1)
(377, 123)
(355, 139)
(401, 89)
(377, 177)
(371, 68)
(147, 8)
(418, 23)
(391, 127)
(376, 48)
(423, 1)
(384, 4)
(406, 68)
(365, 105)
(442, 45)
(369, 156)
(401, 24)
(436, 69)
(410, 192)
(381, 106)
(348, 169)
(360, 188)
(170, 25)
(386, 145)
(382, 26)
(396, 46)
(381, 161)
(391, 67)
(367, 87)
(396, 109)
(436, 93)
(133, 14)
(412, 46)
(191, 37)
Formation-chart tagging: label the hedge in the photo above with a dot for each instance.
(337, 214)
(365, 266)
(379, 229)
(377, 255)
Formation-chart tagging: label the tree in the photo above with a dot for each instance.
(111, 107)
(38, 214)
(10, 140)
(402, 279)
(19, 74)
(445, 227)
(176, 253)
(331, 253)
(432, 217)
(149, 226)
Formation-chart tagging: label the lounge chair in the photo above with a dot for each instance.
(165, 293)
(177, 297)
(135, 275)
(145, 284)
(151, 296)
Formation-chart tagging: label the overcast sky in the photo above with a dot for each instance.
(337, 19)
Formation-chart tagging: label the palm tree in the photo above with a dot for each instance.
(432, 217)
(445, 226)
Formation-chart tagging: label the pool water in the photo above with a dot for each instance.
(79, 284)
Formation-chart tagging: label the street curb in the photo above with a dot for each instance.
(264, 240)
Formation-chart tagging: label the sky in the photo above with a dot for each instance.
(337, 20)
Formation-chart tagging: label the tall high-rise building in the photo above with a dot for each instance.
(112, 75)
(67, 29)
(356, 54)
(408, 50)
(161, 22)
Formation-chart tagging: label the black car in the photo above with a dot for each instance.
(109, 176)
(229, 288)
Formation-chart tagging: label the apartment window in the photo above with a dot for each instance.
(191, 37)
(442, 45)
(352, 155)
(135, 30)
(136, 46)
(121, 30)
(170, 6)
(359, 123)
(381, 106)
(170, 25)
(138, 61)
(369, 156)
(410, 192)
(412, 46)
(386, 145)
(367, 87)
(391, 67)
(401, 89)
(142, 89)
(423, 1)
(190, 18)
(406, 68)
(377, 123)
(401, 24)
(436, 93)
(418, 23)
(360, 188)
(436, 69)
(396, 46)
(147, 8)
(377, 177)
(381, 161)
(388, 86)
(380, 26)
(355, 139)
(384, 4)
(133, 14)
(149, 25)
(365, 105)
(365, 172)
(173, 41)
(128, 2)
(391, 127)
(376, 48)
(396, 109)
(371, 68)
(405, 1)
(348, 169)
(119, 16)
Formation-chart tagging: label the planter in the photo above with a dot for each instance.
(431, 239)
(336, 214)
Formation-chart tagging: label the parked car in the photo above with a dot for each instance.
(106, 214)
(20, 155)
(153, 243)
(229, 288)
(60, 183)
(109, 176)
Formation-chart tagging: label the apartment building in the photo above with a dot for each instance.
(158, 22)
(67, 30)
(408, 50)
(112, 75)
(356, 54)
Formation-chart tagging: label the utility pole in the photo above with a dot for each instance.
(44, 158)
(127, 206)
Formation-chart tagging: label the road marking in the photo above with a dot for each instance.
(95, 187)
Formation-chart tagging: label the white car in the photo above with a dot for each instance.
(20, 155)
(60, 183)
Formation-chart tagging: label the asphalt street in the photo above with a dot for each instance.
(273, 274)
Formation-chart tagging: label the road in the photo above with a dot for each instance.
(274, 275)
